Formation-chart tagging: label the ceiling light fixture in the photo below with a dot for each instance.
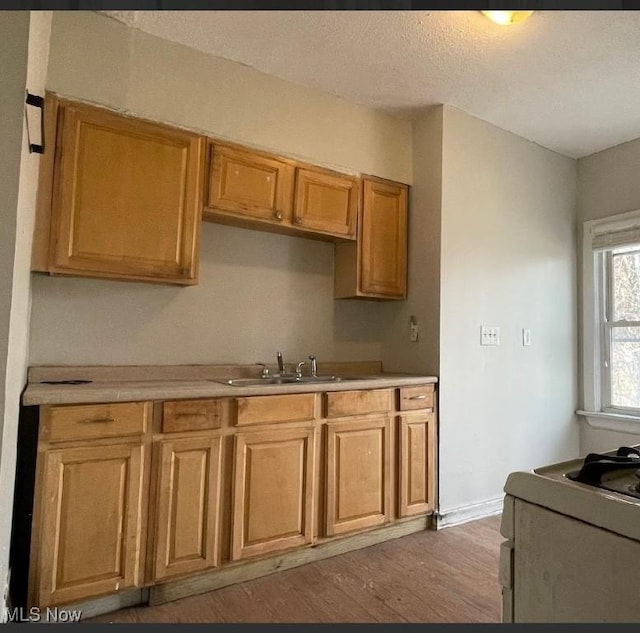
(506, 18)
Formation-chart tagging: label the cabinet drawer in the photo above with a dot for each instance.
(358, 402)
(94, 421)
(419, 397)
(266, 409)
(191, 415)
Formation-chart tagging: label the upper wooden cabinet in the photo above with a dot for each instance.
(249, 185)
(376, 267)
(126, 198)
(257, 190)
(326, 201)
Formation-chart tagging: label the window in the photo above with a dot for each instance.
(620, 329)
(611, 322)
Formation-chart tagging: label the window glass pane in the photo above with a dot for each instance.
(626, 285)
(625, 367)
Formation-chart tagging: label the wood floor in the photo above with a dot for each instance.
(449, 575)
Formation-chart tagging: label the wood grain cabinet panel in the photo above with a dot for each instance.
(63, 423)
(417, 454)
(127, 198)
(384, 239)
(250, 184)
(327, 202)
(90, 530)
(376, 268)
(191, 415)
(298, 407)
(358, 484)
(187, 506)
(418, 397)
(273, 491)
(360, 402)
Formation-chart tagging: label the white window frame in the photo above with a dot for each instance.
(595, 343)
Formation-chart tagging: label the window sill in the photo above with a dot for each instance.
(623, 423)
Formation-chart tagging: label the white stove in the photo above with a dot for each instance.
(572, 552)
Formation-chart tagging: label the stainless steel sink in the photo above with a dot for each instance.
(281, 380)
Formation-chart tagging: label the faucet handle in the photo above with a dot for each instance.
(265, 370)
(314, 366)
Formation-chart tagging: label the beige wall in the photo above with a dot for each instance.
(492, 241)
(608, 183)
(399, 353)
(258, 293)
(24, 46)
(508, 260)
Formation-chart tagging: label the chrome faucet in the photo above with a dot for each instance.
(280, 363)
(299, 369)
(314, 366)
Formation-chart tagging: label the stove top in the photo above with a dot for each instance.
(617, 471)
(600, 490)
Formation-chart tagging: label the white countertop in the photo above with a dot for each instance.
(121, 384)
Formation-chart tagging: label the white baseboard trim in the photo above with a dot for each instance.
(464, 514)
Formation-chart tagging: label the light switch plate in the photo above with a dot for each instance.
(526, 336)
(489, 335)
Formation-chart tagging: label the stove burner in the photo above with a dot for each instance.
(608, 471)
(596, 464)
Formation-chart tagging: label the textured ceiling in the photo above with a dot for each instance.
(568, 80)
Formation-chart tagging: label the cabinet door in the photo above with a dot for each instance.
(128, 199)
(358, 474)
(90, 530)
(250, 184)
(273, 491)
(416, 464)
(383, 255)
(187, 506)
(326, 201)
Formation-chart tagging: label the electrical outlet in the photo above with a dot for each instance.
(489, 335)
(526, 336)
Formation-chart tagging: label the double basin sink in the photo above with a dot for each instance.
(286, 380)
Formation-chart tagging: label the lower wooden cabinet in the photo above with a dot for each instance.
(417, 456)
(187, 507)
(272, 491)
(89, 541)
(358, 477)
(141, 493)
